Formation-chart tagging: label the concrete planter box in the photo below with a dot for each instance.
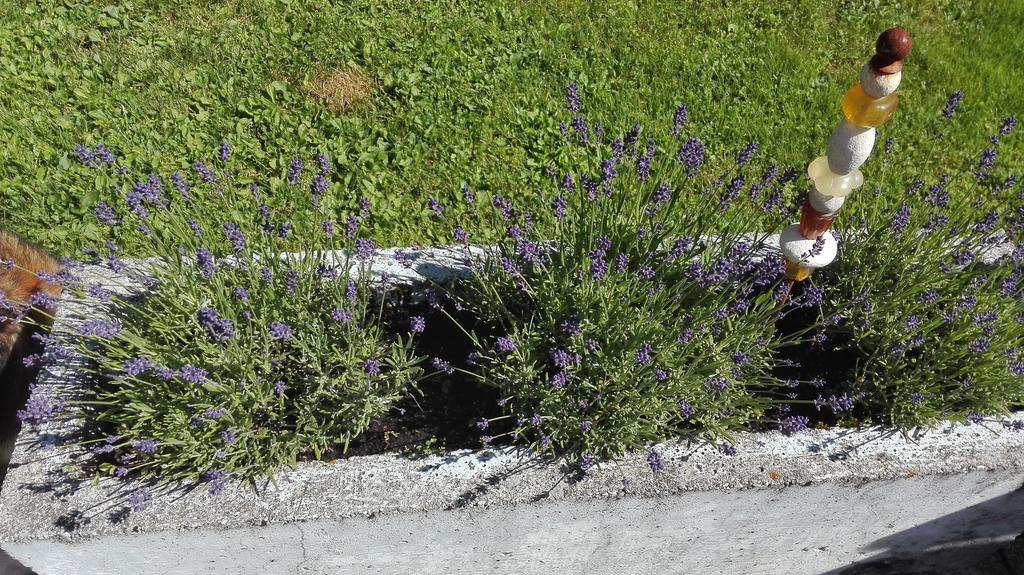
(813, 502)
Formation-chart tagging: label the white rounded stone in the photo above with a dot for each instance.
(878, 85)
(849, 147)
(823, 204)
(797, 249)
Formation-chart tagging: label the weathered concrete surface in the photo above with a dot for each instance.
(814, 529)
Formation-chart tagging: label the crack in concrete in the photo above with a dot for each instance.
(302, 545)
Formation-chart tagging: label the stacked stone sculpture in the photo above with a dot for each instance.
(809, 245)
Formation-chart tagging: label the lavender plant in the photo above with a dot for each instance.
(927, 291)
(617, 311)
(236, 357)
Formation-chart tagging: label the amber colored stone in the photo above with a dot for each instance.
(868, 112)
(894, 43)
(812, 222)
(797, 272)
(829, 183)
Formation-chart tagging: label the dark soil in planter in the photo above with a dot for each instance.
(443, 415)
(829, 364)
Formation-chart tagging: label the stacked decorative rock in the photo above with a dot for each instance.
(809, 245)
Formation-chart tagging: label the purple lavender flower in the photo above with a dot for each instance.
(435, 206)
(39, 409)
(716, 385)
(318, 187)
(460, 235)
(280, 330)
(728, 449)
(582, 130)
(586, 426)
(643, 355)
(571, 326)
(137, 366)
(643, 167)
(661, 195)
(572, 97)
(216, 328)
(291, 282)
(229, 436)
(979, 345)
(350, 291)
(746, 154)
(105, 214)
(365, 249)
(235, 236)
(341, 315)
(295, 171)
(372, 367)
(104, 156)
(204, 259)
(224, 152)
(205, 173)
(901, 219)
(279, 387)
(182, 186)
(560, 358)
(987, 224)
(621, 263)
(99, 328)
(654, 461)
(560, 379)
(732, 191)
(145, 446)
(598, 269)
(1005, 129)
(568, 184)
(417, 324)
(323, 163)
(218, 482)
(679, 120)
(192, 374)
(558, 205)
(98, 292)
(793, 424)
(986, 162)
(505, 345)
(952, 104)
(691, 156)
(85, 155)
(215, 413)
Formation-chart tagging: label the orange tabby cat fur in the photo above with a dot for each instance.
(18, 285)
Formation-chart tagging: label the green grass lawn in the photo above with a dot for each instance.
(431, 95)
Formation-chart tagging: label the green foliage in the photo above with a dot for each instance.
(239, 357)
(465, 92)
(620, 320)
(938, 331)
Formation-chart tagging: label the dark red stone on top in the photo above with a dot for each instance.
(894, 43)
(892, 46)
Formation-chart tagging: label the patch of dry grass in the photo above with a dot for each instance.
(341, 89)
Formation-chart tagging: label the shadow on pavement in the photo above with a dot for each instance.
(11, 566)
(965, 542)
